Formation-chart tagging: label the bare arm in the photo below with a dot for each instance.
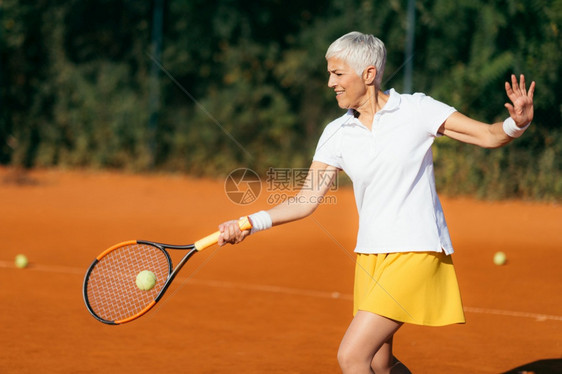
(318, 181)
(467, 130)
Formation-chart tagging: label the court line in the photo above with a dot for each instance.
(267, 288)
(509, 313)
(539, 317)
(46, 268)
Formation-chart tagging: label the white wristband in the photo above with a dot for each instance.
(511, 129)
(260, 221)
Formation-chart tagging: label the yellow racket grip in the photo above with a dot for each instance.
(244, 224)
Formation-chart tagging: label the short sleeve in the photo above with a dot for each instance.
(327, 149)
(433, 113)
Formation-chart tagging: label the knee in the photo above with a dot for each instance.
(350, 362)
(343, 359)
(380, 366)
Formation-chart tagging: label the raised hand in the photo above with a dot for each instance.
(521, 106)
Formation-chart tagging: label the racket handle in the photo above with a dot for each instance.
(201, 244)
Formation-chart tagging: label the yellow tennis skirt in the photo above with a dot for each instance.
(412, 287)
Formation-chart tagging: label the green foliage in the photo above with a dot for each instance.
(486, 43)
(243, 83)
(528, 172)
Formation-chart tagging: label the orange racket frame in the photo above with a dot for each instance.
(90, 295)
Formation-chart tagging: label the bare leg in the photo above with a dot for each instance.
(385, 362)
(365, 337)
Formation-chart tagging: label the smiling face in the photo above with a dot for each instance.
(351, 89)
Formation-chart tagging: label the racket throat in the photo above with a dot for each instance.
(174, 273)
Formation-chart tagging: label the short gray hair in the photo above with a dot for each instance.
(359, 51)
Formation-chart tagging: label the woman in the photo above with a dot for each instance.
(404, 271)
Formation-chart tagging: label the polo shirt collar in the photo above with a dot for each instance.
(392, 104)
(393, 101)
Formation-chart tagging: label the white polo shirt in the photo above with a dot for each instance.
(391, 167)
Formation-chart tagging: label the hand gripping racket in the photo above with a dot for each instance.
(110, 290)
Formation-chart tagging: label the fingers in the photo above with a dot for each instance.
(519, 88)
(508, 90)
(230, 233)
(531, 90)
(514, 83)
(521, 106)
(514, 89)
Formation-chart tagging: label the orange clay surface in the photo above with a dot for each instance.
(277, 303)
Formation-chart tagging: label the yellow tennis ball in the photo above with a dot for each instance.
(146, 280)
(21, 261)
(500, 258)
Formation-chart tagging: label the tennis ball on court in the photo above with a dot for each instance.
(500, 258)
(21, 261)
(146, 280)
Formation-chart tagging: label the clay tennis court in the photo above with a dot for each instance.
(260, 307)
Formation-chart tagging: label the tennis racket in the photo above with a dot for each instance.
(110, 290)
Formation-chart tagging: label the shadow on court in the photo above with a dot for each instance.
(548, 366)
